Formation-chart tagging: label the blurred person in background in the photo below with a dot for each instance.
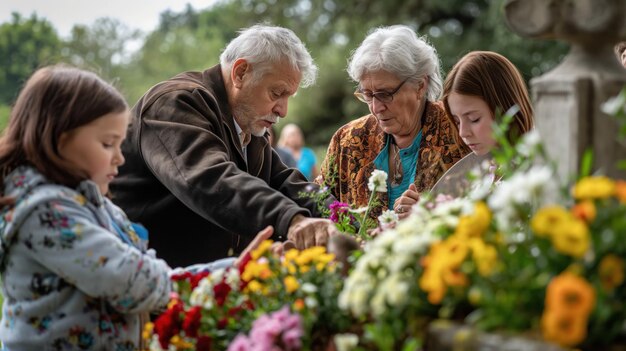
(292, 140)
(284, 154)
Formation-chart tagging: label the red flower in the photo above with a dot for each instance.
(244, 262)
(192, 321)
(203, 343)
(168, 324)
(195, 278)
(221, 292)
(180, 276)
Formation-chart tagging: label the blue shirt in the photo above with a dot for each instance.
(306, 162)
(409, 157)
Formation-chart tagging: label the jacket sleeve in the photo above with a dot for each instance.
(181, 143)
(64, 237)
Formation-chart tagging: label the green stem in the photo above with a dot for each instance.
(362, 229)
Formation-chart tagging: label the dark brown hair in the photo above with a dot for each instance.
(54, 100)
(493, 78)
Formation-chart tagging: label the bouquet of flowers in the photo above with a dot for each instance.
(290, 301)
(524, 254)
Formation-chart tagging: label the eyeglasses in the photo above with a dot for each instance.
(382, 96)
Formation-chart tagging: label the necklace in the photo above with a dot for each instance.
(395, 164)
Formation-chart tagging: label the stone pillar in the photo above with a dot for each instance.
(567, 99)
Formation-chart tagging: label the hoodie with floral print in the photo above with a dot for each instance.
(75, 273)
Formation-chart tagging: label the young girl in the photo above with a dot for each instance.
(480, 87)
(75, 272)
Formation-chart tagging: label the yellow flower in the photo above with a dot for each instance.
(259, 251)
(563, 328)
(546, 218)
(291, 284)
(454, 250)
(432, 283)
(620, 191)
(585, 210)
(255, 269)
(611, 272)
(147, 330)
(569, 293)
(255, 286)
(291, 255)
(485, 256)
(571, 238)
(590, 188)
(180, 343)
(476, 224)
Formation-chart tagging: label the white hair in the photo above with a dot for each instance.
(398, 50)
(263, 46)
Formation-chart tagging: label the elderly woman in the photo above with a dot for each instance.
(407, 133)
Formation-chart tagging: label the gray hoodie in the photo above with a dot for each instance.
(75, 275)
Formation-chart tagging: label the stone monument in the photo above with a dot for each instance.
(567, 100)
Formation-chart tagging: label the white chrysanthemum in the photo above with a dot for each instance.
(529, 143)
(387, 218)
(202, 295)
(378, 181)
(308, 288)
(346, 342)
(233, 279)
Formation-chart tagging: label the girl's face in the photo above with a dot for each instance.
(474, 120)
(95, 148)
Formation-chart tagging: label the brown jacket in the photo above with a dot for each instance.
(350, 158)
(186, 180)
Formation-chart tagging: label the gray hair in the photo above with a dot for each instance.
(267, 45)
(398, 50)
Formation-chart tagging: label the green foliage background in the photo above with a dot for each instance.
(193, 39)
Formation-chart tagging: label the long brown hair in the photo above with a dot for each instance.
(54, 100)
(493, 78)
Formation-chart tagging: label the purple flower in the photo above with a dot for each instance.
(337, 209)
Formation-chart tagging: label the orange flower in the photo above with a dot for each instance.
(585, 211)
(570, 293)
(298, 305)
(611, 272)
(565, 329)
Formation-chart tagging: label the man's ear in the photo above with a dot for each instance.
(241, 67)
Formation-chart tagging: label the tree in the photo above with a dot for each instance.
(25, 45)
(102, 47)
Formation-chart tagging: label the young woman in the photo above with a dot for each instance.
(479, 89)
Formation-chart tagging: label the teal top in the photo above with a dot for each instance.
(409, 158)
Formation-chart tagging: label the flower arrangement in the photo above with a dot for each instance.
(290, 301)
(518, 255)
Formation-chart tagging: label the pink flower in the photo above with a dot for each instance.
(241, 343)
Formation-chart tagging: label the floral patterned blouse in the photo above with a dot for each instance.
(70, 279)
(353, 148)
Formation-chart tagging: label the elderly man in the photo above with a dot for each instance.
(200, 173)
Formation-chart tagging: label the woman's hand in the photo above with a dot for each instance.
(403, 204)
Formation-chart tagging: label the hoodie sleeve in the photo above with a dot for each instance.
(64, 237)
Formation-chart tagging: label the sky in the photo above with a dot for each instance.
(64, 14)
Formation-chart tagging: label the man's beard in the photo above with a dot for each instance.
(246, 118)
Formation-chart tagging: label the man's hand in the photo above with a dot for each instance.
(403, 204)
(307, 232)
